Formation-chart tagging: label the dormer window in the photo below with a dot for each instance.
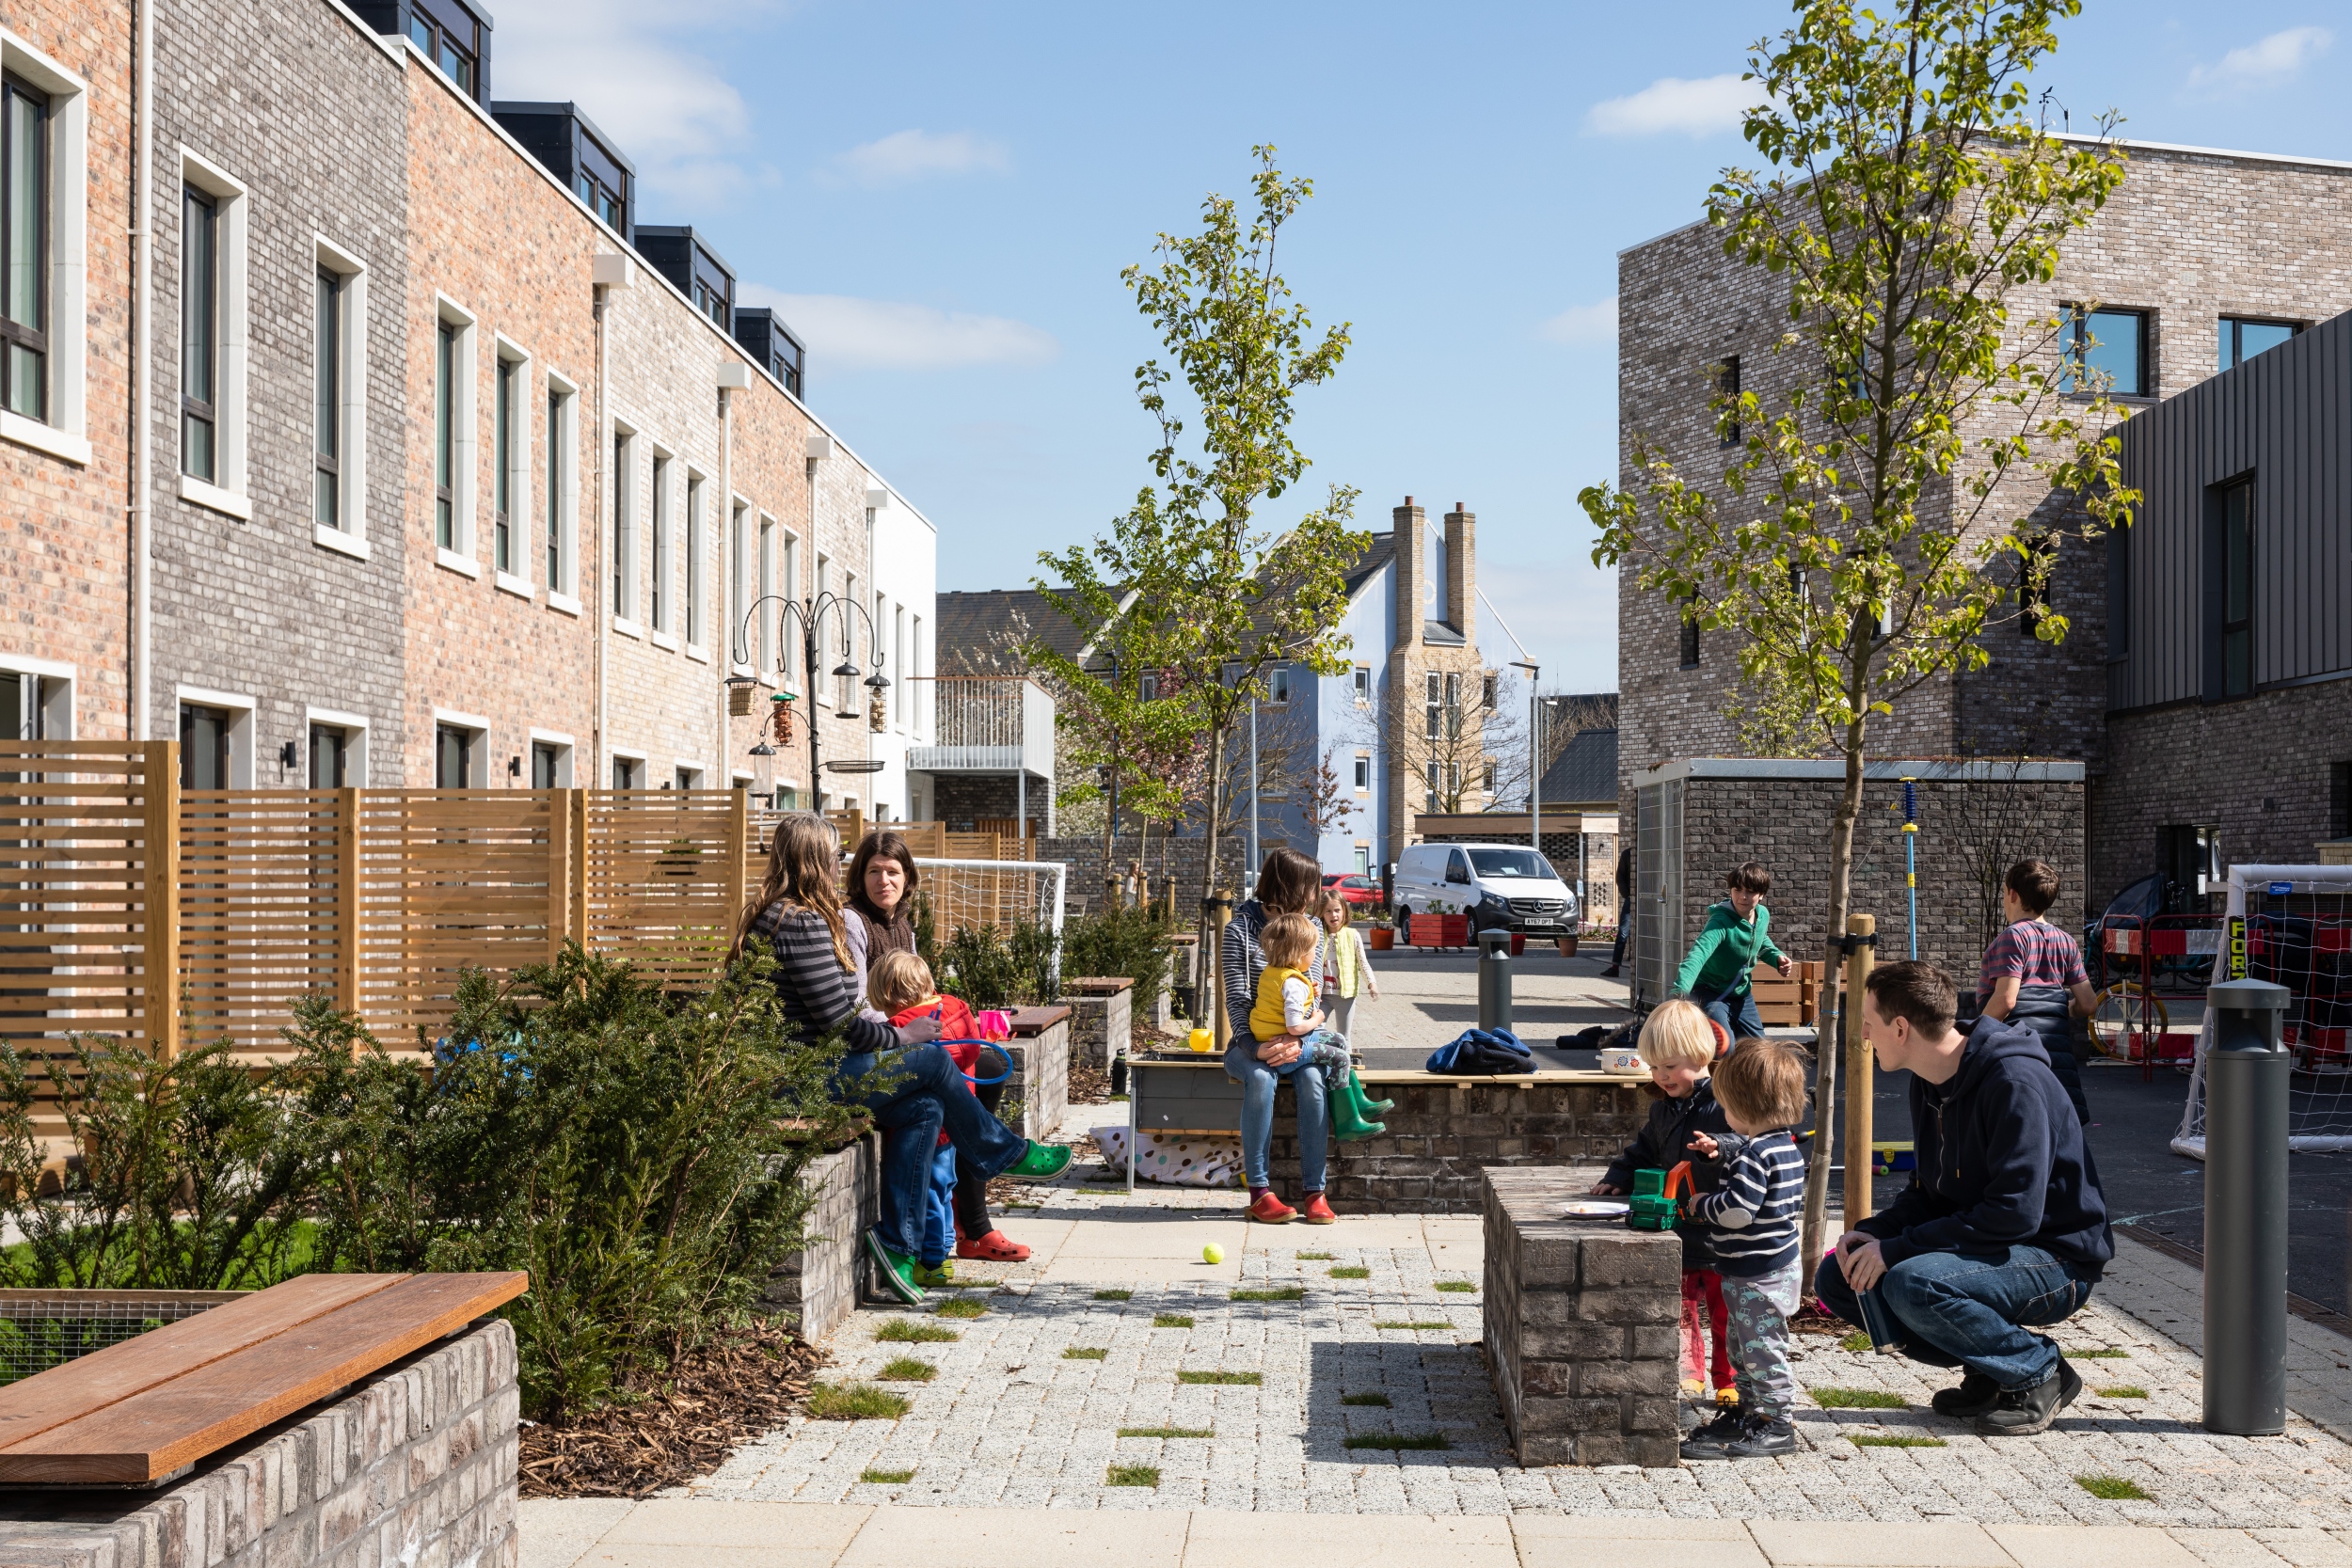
(603, 183)
(771, 342)
(578, 154)
(686, 258)
(446, 32)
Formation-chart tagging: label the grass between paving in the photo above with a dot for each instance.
(961, 1306)
(1313, 1256)
(1166, 1432)
(2114, 1488)
(1280, 1292)
(1170, 1319)
(854, 1401)
(1085, 1353)
(906, 1331)
(1398, 1440)
(1347, 1271)
(906, 1368)
(2109, 1352)
(1413, 1325)
(1249, 1380)
(1379, 1400)
(1455, 1285)
(2123, 1391)
(1857, 1343)
(1858, 1398)
(885, 1478)
(1867, 1440)
(1114, 1295)
(1132, 1475)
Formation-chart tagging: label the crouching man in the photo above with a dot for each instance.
(2003, 1229)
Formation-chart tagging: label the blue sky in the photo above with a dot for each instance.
(941, 199)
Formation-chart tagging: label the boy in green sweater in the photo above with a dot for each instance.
(1737, 938)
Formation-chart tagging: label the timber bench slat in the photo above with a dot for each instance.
(280, 1350)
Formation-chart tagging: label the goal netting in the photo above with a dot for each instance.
(2291, 925)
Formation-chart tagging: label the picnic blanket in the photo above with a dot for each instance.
(1180, 1160)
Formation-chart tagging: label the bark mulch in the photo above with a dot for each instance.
(741, 1384)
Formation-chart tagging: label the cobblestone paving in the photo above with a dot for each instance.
(1010, 1422)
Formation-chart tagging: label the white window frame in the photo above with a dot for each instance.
(355, 727)
(661, 466)
(57, 707)
(522, 521)
(1277, 684)
(563, 745)
(920, 718)
(463, 554)
(769, 536)
(351, 537)
(474, 723)
(228, 493)
(564, 596)
(1363, 687)
(66, 433)
(814, 676)
(901, 706)
(1363, 774)
(787, 584)
(694, 625)
(688, 765)
(622, 561)
(240, 707)
(738, 546)
(622, 754)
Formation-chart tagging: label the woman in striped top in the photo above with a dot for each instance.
(918, 1091)
(1288, 883)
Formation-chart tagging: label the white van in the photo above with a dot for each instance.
(1500, 886)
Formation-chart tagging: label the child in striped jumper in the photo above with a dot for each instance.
(1752, 1211)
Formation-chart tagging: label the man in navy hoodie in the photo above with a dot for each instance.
(2003, 1229)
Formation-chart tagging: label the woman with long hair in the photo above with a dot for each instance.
(1288, 883)
(882, 881)
(918, 1091)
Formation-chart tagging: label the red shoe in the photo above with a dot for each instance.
(995, 1247)
(1317, 1211)
(1270, 1210)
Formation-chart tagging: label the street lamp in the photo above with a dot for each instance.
(811, 613)
(1534, 755)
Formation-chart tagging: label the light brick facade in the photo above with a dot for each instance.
(1418, 649)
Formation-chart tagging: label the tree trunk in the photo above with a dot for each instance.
(1206, 998)
(1828, 1044)
(1110, 846)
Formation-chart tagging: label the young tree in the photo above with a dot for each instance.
(1854, 539)
(1444, 747)
(1325, 799)
(1222, 598)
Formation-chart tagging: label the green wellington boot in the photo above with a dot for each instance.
(1349, 1117)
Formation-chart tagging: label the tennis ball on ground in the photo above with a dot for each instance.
(1212, 1254)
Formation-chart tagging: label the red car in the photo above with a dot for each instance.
(1356, 888)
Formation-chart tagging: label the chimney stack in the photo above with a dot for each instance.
(1461, 572)
(1412, 570)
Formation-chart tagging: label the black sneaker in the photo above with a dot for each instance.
(1763, 1437)
(1975, 1395)
(2022, 1411)
(1713, 1436)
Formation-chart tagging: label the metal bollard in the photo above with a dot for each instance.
(2246, 1210)
(1494, 979)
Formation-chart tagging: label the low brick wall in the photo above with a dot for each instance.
(1581, 1325)
(817, 1287)
(1443, 1134)
(412, 1468)
(1102, 1014)
(1040, 1048)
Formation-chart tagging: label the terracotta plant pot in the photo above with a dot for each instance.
(1383, 939)
(1567, 947)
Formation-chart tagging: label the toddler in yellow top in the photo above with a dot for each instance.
(1286, 998)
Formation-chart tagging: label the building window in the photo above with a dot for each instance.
(690, 778)
(444, 436)
(2107, 351)
(603, 184)
(546, 764)
(1433, 784)
(1279, 684)
(326, 415)
(504, 421)
(24, 246)
(456, 760)
(738, 600)
(787, 584)
(2339, 800)
(452, 45)
(1364, 772)
(2034, 569)
(1487, 781)
(696, 525)
(2236, 561)
(1728, 388)
(1363, 859)
(763, 656)
(204, 737)
(628, 772)
(1364, 683)
(1430, 702)
(331, 757)
(1148, 689)
(560, 510)
(623, 530)
(35, 707)
(2242, 338)
(1453, 707)
(846, 699)
(1690, 636)
(665, 596)
(199, 335)
(1487, 694)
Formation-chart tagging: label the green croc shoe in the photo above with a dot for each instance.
(894, 1272)
(935, 1276)
(1040, 1163)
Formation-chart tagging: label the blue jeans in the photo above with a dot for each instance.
(1735, 1010)
(1258, 1082)
(918, 1094)
(939, 1218)
(1970, 1309)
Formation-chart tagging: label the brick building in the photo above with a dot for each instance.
(2199, 260)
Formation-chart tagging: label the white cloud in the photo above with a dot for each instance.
(905, 155)
(673, 113)
(1698, 109)
(2264, 61)
(1596, 322)
(881, 334)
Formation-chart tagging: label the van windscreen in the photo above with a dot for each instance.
(1512, 862)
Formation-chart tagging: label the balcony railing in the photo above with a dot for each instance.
(987, 724)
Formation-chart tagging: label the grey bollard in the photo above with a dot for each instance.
(2246, 1210)
(1494, 979)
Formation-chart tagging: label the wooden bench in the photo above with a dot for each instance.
(139, 1412)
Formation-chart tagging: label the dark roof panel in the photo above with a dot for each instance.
(1585, 771)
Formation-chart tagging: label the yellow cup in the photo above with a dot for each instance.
(1203, 1042)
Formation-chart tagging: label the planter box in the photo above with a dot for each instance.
(1040, 1048)
(817, 1287)
(1440, 931)
(1380, 939)
(1102, 1016)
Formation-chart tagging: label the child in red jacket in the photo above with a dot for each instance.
(900, 985)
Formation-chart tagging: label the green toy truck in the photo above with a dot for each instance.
(1655, 1205)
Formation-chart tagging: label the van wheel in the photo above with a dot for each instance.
(1405, 925)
